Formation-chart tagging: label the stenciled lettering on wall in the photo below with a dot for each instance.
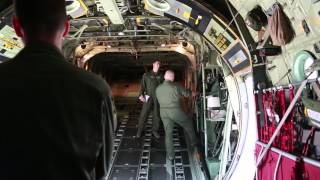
(99, 6)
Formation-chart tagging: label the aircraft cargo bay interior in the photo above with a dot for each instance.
(240, 76)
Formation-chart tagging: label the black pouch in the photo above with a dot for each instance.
(256, 18)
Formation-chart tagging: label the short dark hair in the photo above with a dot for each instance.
(40, 17)
(157, 60)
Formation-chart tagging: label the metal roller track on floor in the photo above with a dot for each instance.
(145, 158)
(178, 161)
(145, 155)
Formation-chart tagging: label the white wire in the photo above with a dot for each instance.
(277, 167)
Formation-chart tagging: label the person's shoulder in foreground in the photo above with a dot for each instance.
(53, 62)
(93, 80)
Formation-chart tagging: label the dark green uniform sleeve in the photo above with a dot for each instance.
(184, 92)
(108, 124)
(143, 85)
(162, 78)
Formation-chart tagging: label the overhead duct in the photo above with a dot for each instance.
(111, 9)
(76, 8)
(157, 6)
(72, 5)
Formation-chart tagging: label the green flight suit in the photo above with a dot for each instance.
(149, 83)
(168, 95)
(56, 119)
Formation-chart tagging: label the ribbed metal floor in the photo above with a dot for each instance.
(145, 158)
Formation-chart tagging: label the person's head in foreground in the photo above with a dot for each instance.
(41, 21)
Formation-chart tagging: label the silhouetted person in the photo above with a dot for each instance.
(56, 120)
(149, 82)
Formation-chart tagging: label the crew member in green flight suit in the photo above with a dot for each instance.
(149, 83)
(168, 95)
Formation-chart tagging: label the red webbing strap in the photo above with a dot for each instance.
(282, 101)
(272, 100)
(274, 105)
(306, 145)
(299, 172)
(284, 135)
(265, 130)
(291, 122)
(287, 131)
(258, 115)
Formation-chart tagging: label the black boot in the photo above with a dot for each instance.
(139, 133)
(156, 134)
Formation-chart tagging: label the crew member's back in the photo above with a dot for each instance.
(55, 119)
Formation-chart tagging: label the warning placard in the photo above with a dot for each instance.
(10, 44)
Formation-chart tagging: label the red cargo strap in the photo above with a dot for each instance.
(287, 131)
(291, 122)
(268, 102)
(272, 100)
(284, 135)
(256, 96)
(306, 145)
(265, 129)
(282, 101)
